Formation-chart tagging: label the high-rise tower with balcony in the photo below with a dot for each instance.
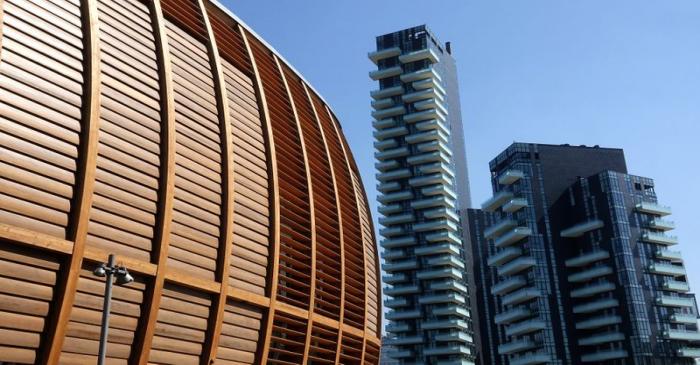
(579, 264)
(422, 181)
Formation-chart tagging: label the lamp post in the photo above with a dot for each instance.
(109, 270)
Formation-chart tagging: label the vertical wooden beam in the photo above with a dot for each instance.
(272, 167)
(216, 319)
(312, 214)
(166, 194)
(340, 225)
(87, 166)
(341, 142)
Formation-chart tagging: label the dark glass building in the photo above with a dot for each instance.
(578, 263)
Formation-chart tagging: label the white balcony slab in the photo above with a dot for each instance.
(580, 229)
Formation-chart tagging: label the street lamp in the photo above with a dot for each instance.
(109, 270)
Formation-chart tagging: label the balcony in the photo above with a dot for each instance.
(411, 340)
(438, 201)
(499, 228)
(683, 318)
(385, 72)
(392, 231)
(389, 209)
(446, 350)
(382, 103)
(426, 136)
(443, 236)
(659, 238)
(604, 355)
(430, 103)
(430, 180)
(444, 324)
(388, 186)
(396, 303)
(392, 153)
(400, 354)
(448, 285)
(386, 92)
(515, 205)
(587, 258)
(522, 328)
(389, 112)
(435, 225)
(400, 266)
(661, 224)
(430, 83)
(516, 346)
(676, 286)
(426, 73)
(592, 273)
(511, 176)
(397, 327)
(438, 167)
(433, 125)
(508, 285)
(446, 260)
(384, 53)
(393, 279)
(666, 269)
(421, 95)
(513, 236)
(504, 256)
(440, 273)
(393, 315)
(384, 123)
(520, 296)
(445, 213)
(396, 219)
(399, 242)
(603, 338)
(422, 54)
(597, 322)
(442, 189)
(436, 249)
(401, 290)
(693, 352)
(674, 256)
(593, 289)
(424, 158)
(452, 310)
(423, 115)
(596, 305)
(516, 266)
(454, 336)
(653, 208)
(394, 197)
(676, 302)
(385, 144)
(442, 299)
(496, 201)
(394, 254)
(390, 132)
(580, 229)
(681, 335)
(530, 359)
(386, 165)
(394, 175)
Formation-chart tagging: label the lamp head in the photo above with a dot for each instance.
(100, 271)
(123, 276)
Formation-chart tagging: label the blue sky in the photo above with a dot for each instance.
(614, 73)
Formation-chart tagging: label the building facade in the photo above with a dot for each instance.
(422, 184)
(578, 263)
(168, 133)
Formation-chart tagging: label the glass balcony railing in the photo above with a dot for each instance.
(446, 350)
(516, 346)
(674, 256)
(596, 305)
(386, 165)
(512, 236)
(581, 228)
(428, 84)
(666, 269)
(423, 54)
(384, 53)
(431, 179)
(390, 208)
(442, 299)
(454, 336)
(402, 265)
(496, 201)
(593, 289)
(401, 290)
(422, 74)
(597, 322)
(439, 273)
(421, 95)
(388, 187)
(437, 201)
(396, 303)
(442, 189)
(452, 310)
(384, 123)
(512, 315)
(436, 249)
(678, 302)
(393, 175)
(520, 296)
(385, 144)
(653, 208)
(388, 112)
(385, 72)
(515, 205)
(443, 236)
(683, 318)
(433, 125)
(530, 359)
(424, 115)
(516, 266)
(429, 157)
(676, 286)
(397, 327)
(526, 327)
(390, 132)
(409, 340)
(402, 314)
(682, 335)
(602, 338)
(504, 256)
(510, 176)
(394, 197)
(592, 273)
(392, 153)
(587, 258)
(396, 219)
(693, 352)
(444, 324)
(661, 224)
(659, 238)
(386, 92)
(508, 285)
(499, 228)
(604, 355)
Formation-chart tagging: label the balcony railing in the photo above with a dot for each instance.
(587, 258)
(422, 54)
(661, 224)
(515, 205)
(593, 289)
(508, 285)
(520, 296)
(513, 236)
(659, 238)
(516, 266)
(678, 302)
(516, 346)
(682, 335)
(386, 92)
(602, 338)
(530, 359)
(504, 256)
(384, 53)
(496, 201)
(676, 286)
(653, 208)
(604, 355)
(385, 72)
(666, 269)
(580, 229)
(522, 328)
(597, 322)
(499, 228)
(511, 176)
(669, 255)
(591, 273)
(596, 305)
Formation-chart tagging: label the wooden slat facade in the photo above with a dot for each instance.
(167, 133)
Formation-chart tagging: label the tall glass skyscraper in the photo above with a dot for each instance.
(574, 264)
(422, 180)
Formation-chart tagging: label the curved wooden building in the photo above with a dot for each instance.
(168, 133)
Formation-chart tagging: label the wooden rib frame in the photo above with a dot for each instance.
(87, 168)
